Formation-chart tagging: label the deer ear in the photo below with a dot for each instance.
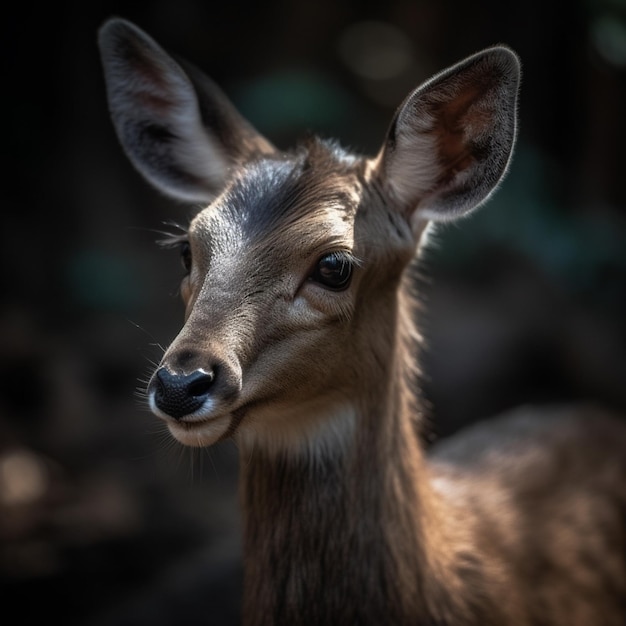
(178, 129)
(450, 142)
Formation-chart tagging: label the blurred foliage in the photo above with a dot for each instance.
(585, 252)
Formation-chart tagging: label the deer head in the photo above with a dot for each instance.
(295, 265)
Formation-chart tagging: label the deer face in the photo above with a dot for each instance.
(269, 299)
(276, 267)
(294, 267)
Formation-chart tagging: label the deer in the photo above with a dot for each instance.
(301, 344)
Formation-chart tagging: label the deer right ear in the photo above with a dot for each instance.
(177, 128)
(451, 140)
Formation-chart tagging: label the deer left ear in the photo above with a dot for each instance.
(451, 140)
(177, 127)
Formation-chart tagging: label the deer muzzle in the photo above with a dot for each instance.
(189, 386)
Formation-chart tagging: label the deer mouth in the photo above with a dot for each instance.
(202, 432)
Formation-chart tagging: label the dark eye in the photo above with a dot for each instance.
(185, 256)
(333, 271)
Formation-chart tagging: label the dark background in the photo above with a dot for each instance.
(103, 520)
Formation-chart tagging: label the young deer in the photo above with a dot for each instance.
(299, 343)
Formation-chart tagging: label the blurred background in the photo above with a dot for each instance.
(103, 519)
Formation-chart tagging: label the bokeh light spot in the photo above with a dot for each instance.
(23, 478)
(375, 50)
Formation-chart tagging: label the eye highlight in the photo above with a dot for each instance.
(185, 256)
(333, 271)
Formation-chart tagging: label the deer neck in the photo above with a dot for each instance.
(339, 534)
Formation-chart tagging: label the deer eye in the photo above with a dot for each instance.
(333, 271)
(185, 256)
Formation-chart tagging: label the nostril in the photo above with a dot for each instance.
(201, 383)
(178, 395)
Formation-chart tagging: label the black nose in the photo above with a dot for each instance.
(178, 395)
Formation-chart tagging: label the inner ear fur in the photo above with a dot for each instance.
(450, 142)
(176, 126)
